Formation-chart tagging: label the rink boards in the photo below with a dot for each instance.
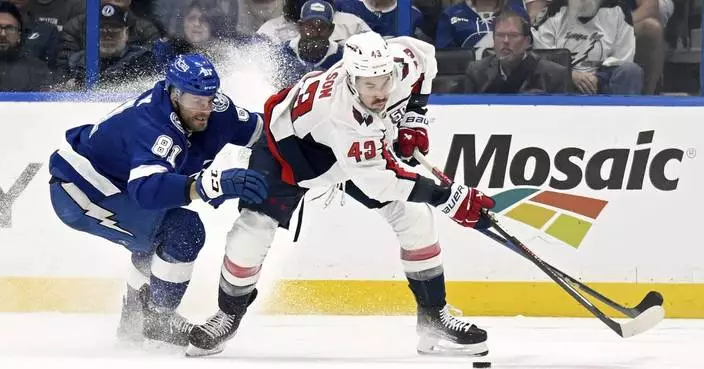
(611, 195)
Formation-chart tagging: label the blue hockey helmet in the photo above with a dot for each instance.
(193, 73)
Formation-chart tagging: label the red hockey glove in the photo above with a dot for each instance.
(465, 204)
(412, 134)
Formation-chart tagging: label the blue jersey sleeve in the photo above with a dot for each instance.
(154, 157)
(242, 127)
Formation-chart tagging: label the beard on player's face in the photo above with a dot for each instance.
(193, 111)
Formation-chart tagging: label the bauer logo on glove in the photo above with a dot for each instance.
(465, 205)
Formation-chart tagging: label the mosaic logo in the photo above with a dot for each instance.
(564, 168)
(566, 217)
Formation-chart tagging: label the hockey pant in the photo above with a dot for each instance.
(164, 243)
(252, 234)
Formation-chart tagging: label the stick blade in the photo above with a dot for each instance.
(653, 298)
(643, 322)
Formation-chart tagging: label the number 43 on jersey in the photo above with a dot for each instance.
(367, 149)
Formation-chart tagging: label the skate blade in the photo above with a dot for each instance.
(193, 351)
(161, 346)
(446, 348)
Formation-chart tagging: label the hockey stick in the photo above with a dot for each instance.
(653, 298)
(642, 320)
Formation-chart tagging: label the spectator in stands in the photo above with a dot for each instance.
(512, 69)
(649, 20)
(469, 24)
(230, 11)
(599, 33)
(18, 71)
(312, 50)
(535, 9)
(198, 27)
(119, 61)
(56, 12)
(254, 13)
(167, 14)
(380, 15)
(142, 31)
(285, 27)
(41, 39)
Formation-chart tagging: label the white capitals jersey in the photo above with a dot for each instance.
(606, 39)
(321, 135)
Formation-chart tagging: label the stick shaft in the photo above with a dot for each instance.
(566, 282)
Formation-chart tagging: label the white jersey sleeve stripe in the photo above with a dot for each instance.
(86, 170)
(146, 170)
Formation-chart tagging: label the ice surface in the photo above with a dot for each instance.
(293, 342)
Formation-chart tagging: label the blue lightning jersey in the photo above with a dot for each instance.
(462, 26)
(383, 23)
(141, 148)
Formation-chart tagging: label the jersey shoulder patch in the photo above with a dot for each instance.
(221, 102)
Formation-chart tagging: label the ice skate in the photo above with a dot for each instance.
(210, 337)
(165, 327)
(440, 333)
(131, 323)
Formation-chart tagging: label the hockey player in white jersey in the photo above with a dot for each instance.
(339, 127)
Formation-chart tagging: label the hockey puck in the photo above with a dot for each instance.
(481, 364)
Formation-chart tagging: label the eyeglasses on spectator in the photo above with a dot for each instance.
(9, 29)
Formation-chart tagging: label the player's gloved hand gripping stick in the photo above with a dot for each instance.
(648, 313)
(215, 186)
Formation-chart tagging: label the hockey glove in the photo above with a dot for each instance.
(465, 206)
(215, 186)
(412, 134)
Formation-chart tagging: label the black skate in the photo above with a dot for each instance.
(442, 334)
(166, 327)
(132, 317)
(210, 338)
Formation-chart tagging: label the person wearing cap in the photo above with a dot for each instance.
(18, 71)
(312, 50)
(120, 61)
(141, 31)
(285, 27)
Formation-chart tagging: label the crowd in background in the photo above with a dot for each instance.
(483, 46)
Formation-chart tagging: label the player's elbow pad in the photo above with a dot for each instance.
(160, 191)
(417, 103)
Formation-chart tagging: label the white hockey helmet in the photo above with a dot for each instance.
(367, 55)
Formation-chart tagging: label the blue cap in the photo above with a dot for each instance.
(193, 73)
(317, 9)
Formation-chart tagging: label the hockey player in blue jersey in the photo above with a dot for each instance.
(126, 178)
